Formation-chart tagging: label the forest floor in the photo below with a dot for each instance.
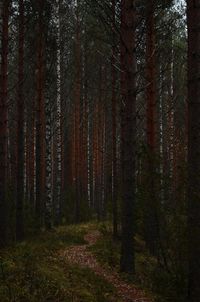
(83, 257)
(68, 264)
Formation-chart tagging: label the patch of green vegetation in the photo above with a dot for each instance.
(106, 249)
(166, 286)
(33, 272)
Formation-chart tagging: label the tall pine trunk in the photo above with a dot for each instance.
(40, 121)
(58, 118)
(3, 120)
(128, 135)
(114, 127)
(20, 128)
(48, 199)
(193, 14)
(77, 95)
(32, 157)
(151, 226)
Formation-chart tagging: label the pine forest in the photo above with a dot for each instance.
(99, 150)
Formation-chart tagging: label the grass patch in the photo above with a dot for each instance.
(106, 250)
(32, 271)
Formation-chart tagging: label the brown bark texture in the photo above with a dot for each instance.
(128, 132)
(193, 15)
(3, 120)
(20, 128)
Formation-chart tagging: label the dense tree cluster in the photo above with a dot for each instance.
(96, 123)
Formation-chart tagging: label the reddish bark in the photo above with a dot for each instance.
(151, 208)
(3, 120)
(128, 132)
(114, 127)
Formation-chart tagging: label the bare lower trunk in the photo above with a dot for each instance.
(3, 121)
(48, 199)
(40, 122)
(151, 227)
(20, 129)
(193, 14)
(58, 118)
(128, 134)
(114, 128)
(77, 116)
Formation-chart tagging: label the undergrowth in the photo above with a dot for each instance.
(33, 272)
(164, 286)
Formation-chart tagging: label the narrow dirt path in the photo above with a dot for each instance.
(81, 256)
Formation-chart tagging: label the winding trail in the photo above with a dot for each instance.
(81, 256)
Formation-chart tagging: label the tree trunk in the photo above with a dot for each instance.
(40, 122)
(32, 157)
(128, 135)
(3, 121)
(20, 129)
(58, 118)
(151, 236)
(114, 128)
(193, 15)
(48, 199)
(77, 115)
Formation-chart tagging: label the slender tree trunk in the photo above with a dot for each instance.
(54, 172)
(77, 114)
(86, 140)
(48, 200)
(20, 129)
(95, 157)
(151, 227)
(32, 158)
(114, 128)
(26, 157)
(90, 156)
(3, 120)
(193, 15)
(128, 135)
(58, 118)
(84, 131)
(40, 121)
(99, 145)
(103, 139)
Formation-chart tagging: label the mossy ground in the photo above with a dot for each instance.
(32, 271)
(151, 276)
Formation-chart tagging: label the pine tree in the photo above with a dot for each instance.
(151, 227)
(114, 125)
(20, 128)
(128, 135)
(40, 119)
(3, 120)
(193, 15)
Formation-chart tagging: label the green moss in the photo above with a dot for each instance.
(33, 272)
